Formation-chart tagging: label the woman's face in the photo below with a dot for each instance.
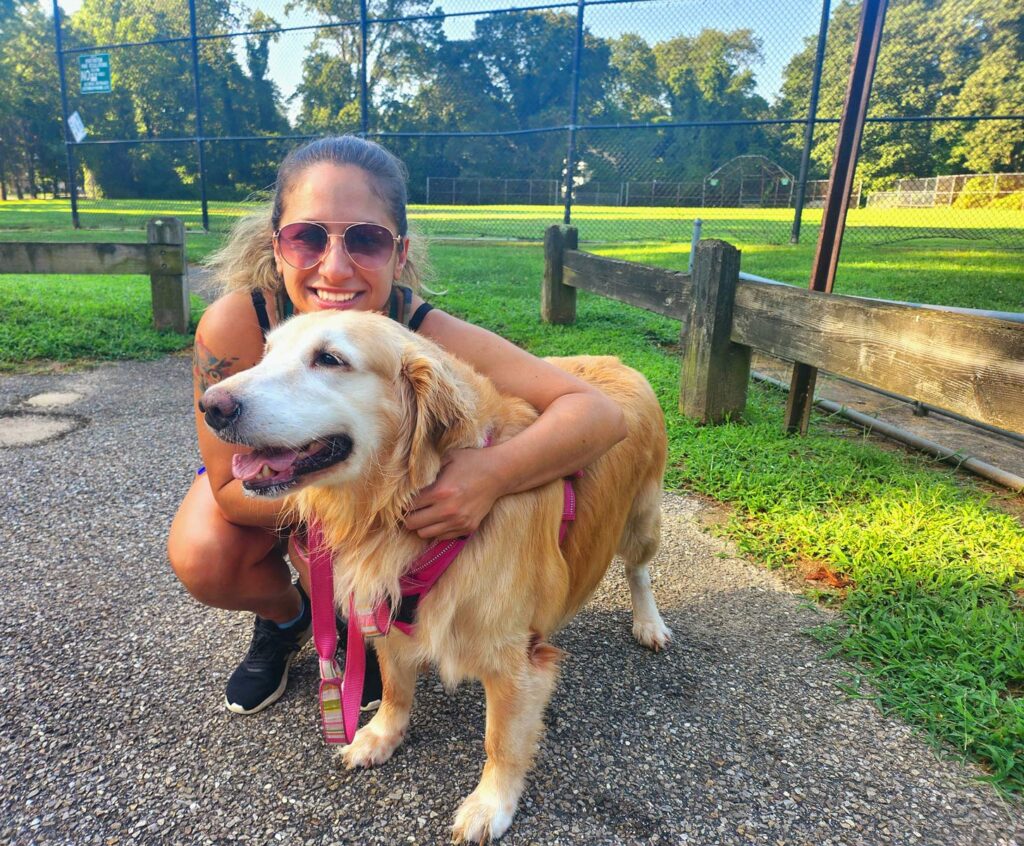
(337, 196)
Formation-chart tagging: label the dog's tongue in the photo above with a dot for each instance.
(249, 466)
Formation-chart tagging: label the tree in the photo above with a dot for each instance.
(397, 54)
(635, 93)
(710, 77)
(32, 143)
(937, 57)
(985, 48)
(152, 98)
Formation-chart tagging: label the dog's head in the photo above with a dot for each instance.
(337, 398)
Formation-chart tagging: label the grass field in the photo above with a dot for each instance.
(980, 227)
(932, 620)
(900, 254)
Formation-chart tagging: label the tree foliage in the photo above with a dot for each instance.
(31, 138)
(512, 74)
(938, 57)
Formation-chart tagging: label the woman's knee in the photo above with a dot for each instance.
(212, 556)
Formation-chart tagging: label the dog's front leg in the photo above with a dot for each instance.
(375, 742)
(515, 712)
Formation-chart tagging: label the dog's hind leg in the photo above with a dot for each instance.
(375, 742)
(639, 542)
(515, 710)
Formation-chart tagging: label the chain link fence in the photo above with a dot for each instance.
(632, 119)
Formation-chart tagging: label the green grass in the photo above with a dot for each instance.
(885, 252)
(75, 318)
(934, 621)
(935, 618)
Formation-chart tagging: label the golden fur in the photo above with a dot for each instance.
(490, 616)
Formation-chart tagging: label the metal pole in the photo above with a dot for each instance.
(833, 220)
(364, 89)
(570, 155)
(68, 142)
(199, 113)
(694, 241)
(812, 114)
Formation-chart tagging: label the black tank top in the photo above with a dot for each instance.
(399, 308)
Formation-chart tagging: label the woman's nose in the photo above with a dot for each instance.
(336, 262)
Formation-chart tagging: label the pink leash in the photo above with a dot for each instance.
(340, 699)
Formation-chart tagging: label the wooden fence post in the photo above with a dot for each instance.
(557, 300)
(168, 273)
(715, 371)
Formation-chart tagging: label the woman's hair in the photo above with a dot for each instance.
(246, 259)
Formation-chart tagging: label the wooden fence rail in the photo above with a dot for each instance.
(965, 362)
(162, 258)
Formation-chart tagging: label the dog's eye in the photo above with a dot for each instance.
(326, 359)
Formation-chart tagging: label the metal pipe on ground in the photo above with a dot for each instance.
(931, 409)
(981, 468)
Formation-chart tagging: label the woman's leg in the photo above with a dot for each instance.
(239, 568)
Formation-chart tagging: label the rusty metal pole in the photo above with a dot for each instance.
(844, 164)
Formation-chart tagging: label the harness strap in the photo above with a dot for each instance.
(340, 699)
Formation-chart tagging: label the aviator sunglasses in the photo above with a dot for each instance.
(304, 244)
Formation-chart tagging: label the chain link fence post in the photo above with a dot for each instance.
(194, 41)
(574, 106)
(364, 90)
(812, 115)
(68, 145)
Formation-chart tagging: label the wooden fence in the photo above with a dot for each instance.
(960, 360)
(162, 258)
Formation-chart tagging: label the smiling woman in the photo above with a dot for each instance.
(335, 239)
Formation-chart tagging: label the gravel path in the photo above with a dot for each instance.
(113, 730)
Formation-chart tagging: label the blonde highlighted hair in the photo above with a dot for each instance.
(246, 259)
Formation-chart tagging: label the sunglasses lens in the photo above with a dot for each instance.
(369, 245)
(302, 245)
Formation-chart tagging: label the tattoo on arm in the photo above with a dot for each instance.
(207, 368)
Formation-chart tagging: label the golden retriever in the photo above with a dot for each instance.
(350, 415)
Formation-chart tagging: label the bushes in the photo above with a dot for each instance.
(992, 191)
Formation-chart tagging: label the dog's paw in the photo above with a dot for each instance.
(370, 747)
(482, 817)
(653, 634)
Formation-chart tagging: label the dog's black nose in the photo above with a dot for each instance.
(219, 408)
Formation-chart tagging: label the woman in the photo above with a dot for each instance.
(337, 238)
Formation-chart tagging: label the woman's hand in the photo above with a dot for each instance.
(461, 496)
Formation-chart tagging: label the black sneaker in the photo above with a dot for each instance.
(373, 687)
(262, 676)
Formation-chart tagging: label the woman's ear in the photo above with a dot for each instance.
(403, 257)
(278, 261)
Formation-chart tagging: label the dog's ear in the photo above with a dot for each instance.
(441, 412)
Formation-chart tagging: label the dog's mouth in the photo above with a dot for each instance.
(273, 470)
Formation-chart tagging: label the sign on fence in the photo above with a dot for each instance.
(76, 126)
(94, 73)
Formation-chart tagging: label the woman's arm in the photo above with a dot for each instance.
(228, 340)
(577, 424)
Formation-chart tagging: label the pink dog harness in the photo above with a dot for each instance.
(340, 698)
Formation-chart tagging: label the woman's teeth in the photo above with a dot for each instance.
(332, 297)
